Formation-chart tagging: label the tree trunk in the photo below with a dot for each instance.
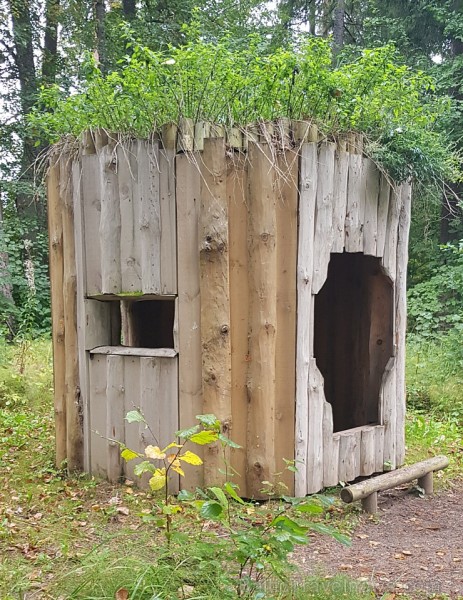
(100, 34)
(50, 50)
(338, 27)
(130, 9)
(6, 290)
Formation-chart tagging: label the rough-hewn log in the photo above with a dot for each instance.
(387, 481)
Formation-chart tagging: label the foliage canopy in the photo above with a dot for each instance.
(213, 81)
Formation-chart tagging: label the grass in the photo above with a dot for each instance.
(79, 538)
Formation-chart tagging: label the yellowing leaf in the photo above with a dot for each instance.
(154, 452)
(204, 437)
(158, 480)
(128, 454)
(172, 458)
(191, 458)
(172, 445)
(178, 470)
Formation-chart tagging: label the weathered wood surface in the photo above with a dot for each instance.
(401, 318)
(316, 401)
(388, 412)
(74, 429)
(367, 451)
(304, 345)
(389, 259)
(370, 226)
(215, 299)
(131, 351)
(383, 209)
(189, 302)
(340, 200)
(168, 207)
(349, 454)
(330, 448)
(355, 213)
(55, 229)
(387, 481)
(262, 245)
(286, 184)
(323, 215)
(110, 223)
(91, 208)
(239, 311)
(115, 415)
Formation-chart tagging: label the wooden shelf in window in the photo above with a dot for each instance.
(130, 351)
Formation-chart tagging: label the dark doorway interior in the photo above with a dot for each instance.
(354, 337)
(148, 323)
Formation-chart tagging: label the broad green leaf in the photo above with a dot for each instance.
(128, 454)
(135, 416)
(227, 441)
(158, 480)
(204, 437)
(209, 421)
(185, 496)
(144, 467)
(313, 509)
(186, 434)
(219, 494)
(284, 522)
(154, 452)
(331, 531)
(211, 510)
(228, 487)
(171, 509)
(191, 458)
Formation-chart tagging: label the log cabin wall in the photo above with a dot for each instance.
(258, 275)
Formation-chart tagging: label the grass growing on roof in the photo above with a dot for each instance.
(394, 106)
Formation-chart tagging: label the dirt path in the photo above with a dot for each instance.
(414, 545)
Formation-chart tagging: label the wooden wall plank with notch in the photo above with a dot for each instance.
(389, 260)
(349, 454)
(379, 448)
(150, 216)
(114, 416)
(388, 412)
(367, 450)
(401, 317)
(370, 226)
(330, 448)
(189, 302)
(132, 401)
(215, 299)
(55, 229)
(341, 170)
(74, 430)
(285, 343)
(355, 204)
(383, 209)
(110, 223)
(262, 243)
(239, 310)
(315, 457)
(97, 416)
(324, 215)
(127, 175)
(308, 189)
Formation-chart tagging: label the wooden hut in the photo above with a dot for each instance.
(255, 274)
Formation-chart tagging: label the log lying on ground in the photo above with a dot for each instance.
(422, 471)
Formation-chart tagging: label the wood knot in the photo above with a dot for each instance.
(224, 329)
(264, 236)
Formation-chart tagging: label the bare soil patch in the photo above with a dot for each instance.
(413, 546)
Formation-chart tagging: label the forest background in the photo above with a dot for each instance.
(50, 49)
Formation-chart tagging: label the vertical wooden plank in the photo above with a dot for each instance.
(132, 401)
(91, 205)
(308, 189)
(114, 415)
(370, 226)
(110, 224)
(239, 311)
(383, 209)
(341, 170)
(150, 216)
(215, 300)
(55, 229)
(401, 317)
(324, 215)
(97, 414)
(127, 175)
(330, 448)
(189, 302)
(316, 400)
(285, 343)
(74, 431)
(263, 317)
(367, 451)
(379, 448)
(389, 261)
(349, 455)
(79, 238)
(355, 204)
(158, 403)
(168, 216)
(388, 412)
